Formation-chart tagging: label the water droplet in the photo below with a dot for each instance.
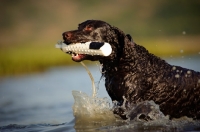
(181, 51)
(177, 76)
(185, 75)
(173, 68)
(188, 72)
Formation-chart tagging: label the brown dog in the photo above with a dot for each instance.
(134, 74)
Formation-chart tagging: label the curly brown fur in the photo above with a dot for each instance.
(131, 71)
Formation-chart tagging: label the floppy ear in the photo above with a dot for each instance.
(118, 39)
(130, 38)
(120, 36)
(125, 41)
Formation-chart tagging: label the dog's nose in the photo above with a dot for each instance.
(67, 35)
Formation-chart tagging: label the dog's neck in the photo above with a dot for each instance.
(135, 58)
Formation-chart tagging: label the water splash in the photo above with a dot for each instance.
(91, 107)
(146, 111)
(91, 112)
(94, 90)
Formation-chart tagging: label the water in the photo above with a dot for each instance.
(44, 102)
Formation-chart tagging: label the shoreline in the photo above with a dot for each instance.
(36, 57)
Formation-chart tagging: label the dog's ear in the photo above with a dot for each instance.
(130, 39)
(119, 39)
(119, 34)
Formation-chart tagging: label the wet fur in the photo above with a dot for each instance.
(131, 71)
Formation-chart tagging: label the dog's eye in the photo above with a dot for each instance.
(88, 28)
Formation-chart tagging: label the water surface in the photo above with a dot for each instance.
(43, 102)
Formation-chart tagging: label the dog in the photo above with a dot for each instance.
(135, 75)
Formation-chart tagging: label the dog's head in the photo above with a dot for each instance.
(97, 31)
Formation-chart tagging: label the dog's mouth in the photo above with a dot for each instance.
(77, 57)
(83, 50)
(74, 54)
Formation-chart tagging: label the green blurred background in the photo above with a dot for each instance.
(29, 29)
